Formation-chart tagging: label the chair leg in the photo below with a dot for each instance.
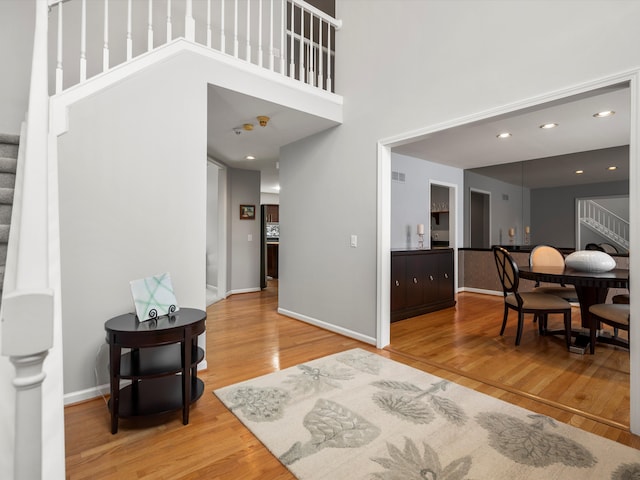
(504, 319)
(519, 331)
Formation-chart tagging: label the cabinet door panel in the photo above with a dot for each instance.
(416, 279)
(398, 282)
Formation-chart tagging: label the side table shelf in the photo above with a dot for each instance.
(161, 365)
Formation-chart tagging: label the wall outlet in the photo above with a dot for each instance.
(250, 238)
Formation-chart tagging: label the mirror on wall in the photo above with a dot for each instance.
(536, 201)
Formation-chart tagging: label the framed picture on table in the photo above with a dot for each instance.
(247, 212)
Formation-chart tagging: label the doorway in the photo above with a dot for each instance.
(479, 219)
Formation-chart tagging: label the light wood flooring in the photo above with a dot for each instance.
(246, 337)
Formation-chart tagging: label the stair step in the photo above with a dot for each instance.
(8, 150)
(4, 233)
(3, 253)
(6, 196)
(5, 214)
(1, 277)
(8, 164)
(9, 138)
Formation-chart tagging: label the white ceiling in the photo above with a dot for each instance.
(468, 146)
(228, 111)
(476, 144)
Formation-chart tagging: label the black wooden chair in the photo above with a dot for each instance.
(538, 304)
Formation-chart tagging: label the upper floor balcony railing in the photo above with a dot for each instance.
(288, 37)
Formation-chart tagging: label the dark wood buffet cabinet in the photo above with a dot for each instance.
(421, 282)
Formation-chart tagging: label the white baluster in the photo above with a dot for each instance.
(283, 44)
(311, 56)
(105, 48)
(321, 56)
(271, 28)
(223, 44)
(169, 27)
(129, 37)
(329, 86)
(292, 65)
(59, 57)
(83, 42)
(260, 33)
(189, 22)
(150, 27)
(302, 47)
(235, 28)
(209, 23)
(248, 55)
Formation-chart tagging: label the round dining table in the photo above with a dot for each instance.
(591, 287)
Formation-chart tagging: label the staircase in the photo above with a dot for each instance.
(605, 223)
(8, 161)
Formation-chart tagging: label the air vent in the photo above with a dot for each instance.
(505, 197)
(397, 177)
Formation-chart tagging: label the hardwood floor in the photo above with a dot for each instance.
(246, 337)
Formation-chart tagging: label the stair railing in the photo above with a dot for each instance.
(288, 37)
(27, 305)
(605, 222)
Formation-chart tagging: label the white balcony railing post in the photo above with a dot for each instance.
(189, 22)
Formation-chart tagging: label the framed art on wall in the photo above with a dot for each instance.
(247, 212)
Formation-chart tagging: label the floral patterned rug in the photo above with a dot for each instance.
(357, 415)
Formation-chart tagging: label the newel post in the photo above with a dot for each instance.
(27, 305)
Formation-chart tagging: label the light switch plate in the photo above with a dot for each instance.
(354, 241)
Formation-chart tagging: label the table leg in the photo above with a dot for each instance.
(587, 296)
(114, 362)
(185, 347)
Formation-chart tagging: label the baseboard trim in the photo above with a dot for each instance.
(244, 290)
(480, 290)
(328, 326)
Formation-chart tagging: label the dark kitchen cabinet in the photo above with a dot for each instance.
(421, 282)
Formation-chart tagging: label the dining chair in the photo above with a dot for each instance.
(548, 256)
(608, 248)
(539, 304)
(615, 315)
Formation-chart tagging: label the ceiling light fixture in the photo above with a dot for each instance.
(237, 131)
(612, 167)
(503, 135)
(248, 126)
(249, 157)
(579, 172)
(604, 113)
(547, 126)
(263, 120)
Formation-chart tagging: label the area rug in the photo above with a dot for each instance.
(357, 415)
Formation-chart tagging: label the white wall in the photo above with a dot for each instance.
(404, 66)
(244, 248)
(411, 200)
(17, 24)
(133, 186)
(269, 198)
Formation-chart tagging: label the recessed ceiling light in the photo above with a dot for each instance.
(503, 135)
(612, 167)
(249, 157)
(547, 126)
(604, 113)
(579, 172)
